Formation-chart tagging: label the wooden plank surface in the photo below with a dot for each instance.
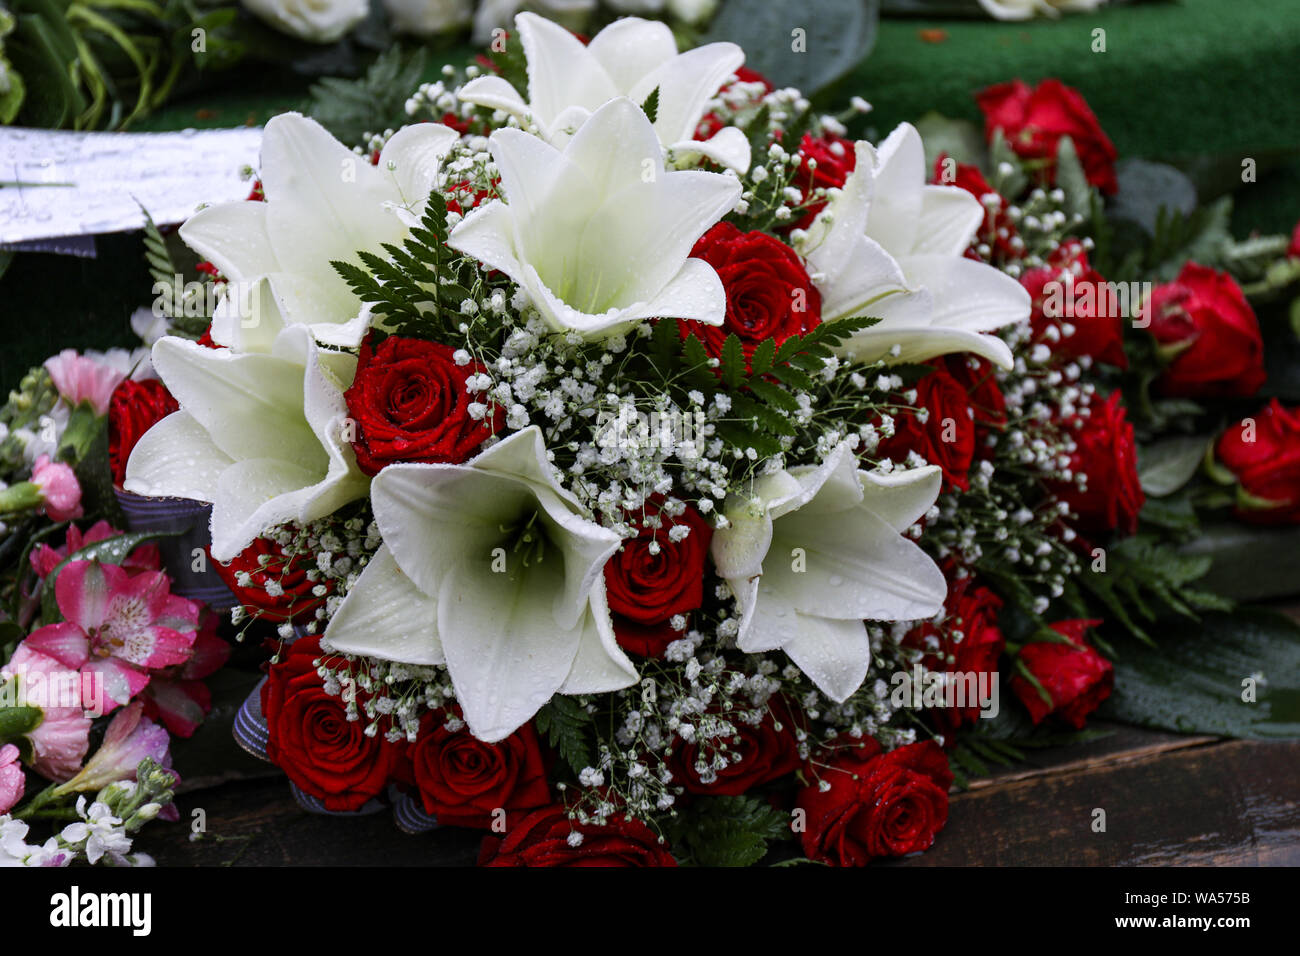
(1167, 799)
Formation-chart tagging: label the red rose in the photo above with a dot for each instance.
(652, 578)
(1203, 320)
(987, 405)
(1264, 454)
(997, 230)
(969, 642)
(1106, 453)
(1033, 122)
(826, 163)
(410, 403)
(542, 839)
(134, 408)
(756, 755)
(947, 436)
(463, 780)
(310, 738)
(877, 805)
(1293, 250)
(1073, 308)
(267, 563)
(1074, 676)
(769, 294)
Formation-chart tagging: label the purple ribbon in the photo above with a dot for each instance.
(191, 519)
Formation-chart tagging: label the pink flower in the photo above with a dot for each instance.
(12, 781)
(58, 488)
(80, 378)
(118, 626)
(129, 739)
(60, 741)
(45, 559)
(178, 697)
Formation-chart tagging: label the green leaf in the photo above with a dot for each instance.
(651, 105)
(351, 108)
(567, 725)
(18, 722)
(1248, 563)
(958, 139)
(109, 551)
(1145, 188)
(1013, 180)
(733, 361)
(1072, 180)
(807, 44)
(1167, 465)
(726, 831)
(1193, 681)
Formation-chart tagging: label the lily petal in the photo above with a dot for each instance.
(506, 653)
(386, 616)
(836, 655)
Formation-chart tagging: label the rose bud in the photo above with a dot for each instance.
(1263, 454)
(1075, 678)
(1210, 335)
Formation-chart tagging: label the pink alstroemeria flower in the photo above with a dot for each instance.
(60, 741)
(178, 697)
(12, 781)
(45, 559)
(118, 626)
(59, 489)
(80, 378)
(129, 739)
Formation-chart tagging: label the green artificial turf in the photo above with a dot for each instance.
(1177, 80)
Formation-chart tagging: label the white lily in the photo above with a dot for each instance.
(891, 246)
(260, 435)
(599, 235)
(568, 82)
(816, 551)
(488, 568)
(323, 203)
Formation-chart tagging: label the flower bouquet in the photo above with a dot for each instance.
(622, 460)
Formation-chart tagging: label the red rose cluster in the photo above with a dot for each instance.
(769, 293)
(134, 409)
(1074, 311)
(1033, 121)
(461, 780)
(657, 576)
(968, 642)
(865, 804)
(409, 402)
(958, 405)
(267, 562)
(1107, 453)
(1263, 454)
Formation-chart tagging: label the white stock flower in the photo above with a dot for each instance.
(816, 551)
(568, 82)
(427, 18)
(317, 21)
(260, 435)
(487, 567)
(598, 234)
(323, 203)
(893, 250)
